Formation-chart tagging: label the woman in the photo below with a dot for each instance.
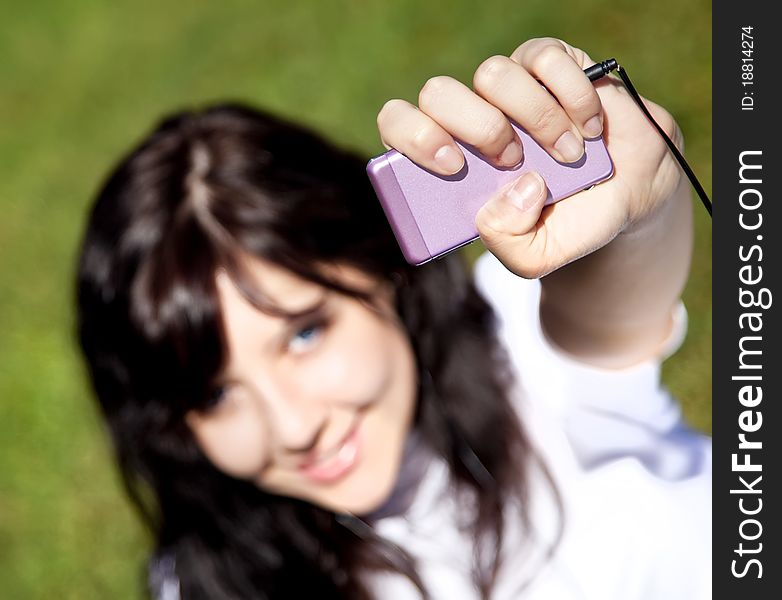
(298, 413)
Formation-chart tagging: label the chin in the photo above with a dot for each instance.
(366, 489)
(366, 500)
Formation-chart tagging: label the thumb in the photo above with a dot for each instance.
(507, 222)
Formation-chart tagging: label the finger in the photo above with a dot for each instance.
(581, 58)
(506, 223)
(508, 86)
(471, 119)
(419, 137)
(565, 231)
(553, 66)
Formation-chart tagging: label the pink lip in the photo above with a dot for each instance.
(339, 462)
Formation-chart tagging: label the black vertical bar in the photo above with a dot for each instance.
(747, 263)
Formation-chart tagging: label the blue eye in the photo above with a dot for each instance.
(305, 337)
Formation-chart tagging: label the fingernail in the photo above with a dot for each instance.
(511, 155)
(593, 127)
(526, 191)
(449, 159)
(569, 147)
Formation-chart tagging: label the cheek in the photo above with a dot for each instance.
(236, 444)
(356, 363)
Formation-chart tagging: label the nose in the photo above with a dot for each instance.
(296, 419)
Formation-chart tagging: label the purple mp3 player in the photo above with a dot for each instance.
(432, 215)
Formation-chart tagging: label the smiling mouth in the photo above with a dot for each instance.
(336, 462)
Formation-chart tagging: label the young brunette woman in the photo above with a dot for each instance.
(298, 413)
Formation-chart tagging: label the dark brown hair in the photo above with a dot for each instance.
(202, 190)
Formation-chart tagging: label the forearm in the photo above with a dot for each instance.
(613, 307)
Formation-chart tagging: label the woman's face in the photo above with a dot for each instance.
(315, 407)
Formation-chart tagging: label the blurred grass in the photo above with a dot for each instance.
(83, 80)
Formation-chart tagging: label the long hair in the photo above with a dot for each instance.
(202, 190)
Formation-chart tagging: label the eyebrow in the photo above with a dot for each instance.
(305, 312)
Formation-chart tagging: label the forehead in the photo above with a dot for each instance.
(286, 290)
(279, 286)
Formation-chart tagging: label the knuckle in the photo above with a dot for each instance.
(585, 101)
(528, 271)
(492, 132)
(678, 137)
(548, 57)
(490, 72)
(489, 225)
(423, 139)
(671, 128)
(387, 112)
(534, 265)
(550, 41)
(664, 118)
(432, 91)
(669, 124)
(546, 116)
(530, 44)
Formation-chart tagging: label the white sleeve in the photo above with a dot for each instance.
(605, 414)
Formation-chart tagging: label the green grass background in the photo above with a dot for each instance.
(82, 80)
